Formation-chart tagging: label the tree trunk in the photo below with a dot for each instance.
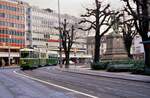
(128, 48)
(147, 55)
(128, 44)
(97, 48)
(67, 60)
(130, 55)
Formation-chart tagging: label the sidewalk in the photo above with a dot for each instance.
(116, 75)
(9, 67)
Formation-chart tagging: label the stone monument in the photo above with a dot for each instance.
(115, 49)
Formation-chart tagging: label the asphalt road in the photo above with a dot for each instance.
(97, 86)
(58, 84)
(16, 86)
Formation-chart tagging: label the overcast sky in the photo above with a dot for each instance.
(73, 7)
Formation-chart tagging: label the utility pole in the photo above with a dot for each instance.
(60, 34)
(9, 50)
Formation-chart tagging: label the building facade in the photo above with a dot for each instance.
(91, 45)
(12, 30)
(23, 25)
(40, 28)
(41, 32)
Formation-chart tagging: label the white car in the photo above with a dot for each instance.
(71, 62)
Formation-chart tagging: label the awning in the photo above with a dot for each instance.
(6, 54)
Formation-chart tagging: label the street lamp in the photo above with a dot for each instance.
(9, 50)
(60, 42)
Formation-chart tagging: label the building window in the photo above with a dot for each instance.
(2, 14)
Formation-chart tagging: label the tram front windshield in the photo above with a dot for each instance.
(25, 54)
(29, 54)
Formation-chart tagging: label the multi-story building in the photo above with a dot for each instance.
(79, 48)
(41, 30)
(80, 36)
(12, 30)
(22, 25)
(91, 45)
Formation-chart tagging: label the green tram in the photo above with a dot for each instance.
(33, 58)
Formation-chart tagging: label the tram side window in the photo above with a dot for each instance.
(52, 55)
(36, 54)
(55, 55)
(33, 54)
(43, 55)
(24, 54)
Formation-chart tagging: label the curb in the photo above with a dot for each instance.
(9, 67)
(100, 75)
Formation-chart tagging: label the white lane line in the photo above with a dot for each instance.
(65, 88)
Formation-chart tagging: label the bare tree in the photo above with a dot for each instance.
(128, 29)
(141, 20)
(128, 36)
(101, 16)
(67, 38)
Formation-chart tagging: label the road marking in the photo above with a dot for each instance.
(55, 85)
